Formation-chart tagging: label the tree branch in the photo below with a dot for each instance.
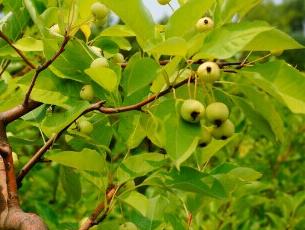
(45, 66)
(11, 215)
(94, 107)
(91, 221)
(19, 52)
(18, 111)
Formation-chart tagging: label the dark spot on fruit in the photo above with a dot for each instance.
(206, 21)
(224, 138)
(218, 123)
(209, 69)
(203, 144)
(194, 115)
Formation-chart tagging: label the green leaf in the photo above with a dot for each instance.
(229, 8)
(105, 77)
(245, 174)
(14, 22)
(265, 107)
(71, 184)
(58, 121)
(29, 44)
(258, 121)
(287, 83)
(181, 137)
(134, 14)
(72, 62)
(142, 73)
(226, 41)
(272, 40)
(205, 154)
(118, 31)
(136, 200)
(87, 159)
(34, 15)
(186, 16)
(174, 46)
(139, 165)
(191, 180)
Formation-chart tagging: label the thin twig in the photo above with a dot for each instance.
(19, 52)
(98, 210)
(45, 66)
(5, 67)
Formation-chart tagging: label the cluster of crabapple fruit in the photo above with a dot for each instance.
(216, 114)
(100, 13)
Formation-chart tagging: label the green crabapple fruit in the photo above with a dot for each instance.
(100, 62)
(192, 110)
(99, 10)
(217, 113)
(164, 2)
(224, 131)
(209, 72)
(206, 137)
(85, 127)
(15, 159)
(128, 226)
(118, 58)
(87, 93)
(204, 24)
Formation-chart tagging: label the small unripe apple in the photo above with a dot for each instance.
(217, 113)
(85, 127)
(204, 24)
(164, 2)
(224, 131)
(101, 22)
(209, 72)
(84, 220)
(15, 160)
(206, 137)
(192, 110)
(128, 226)
(99, 10)
(87, 93)
(100, 62)
(118, 58)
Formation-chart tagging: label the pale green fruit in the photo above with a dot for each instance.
(101, 22)
(217, 113)
(85, 127)
(128, 226)
(209, 72)
(204, 24)
(277, 52)
(164, 2)
(100, 62)
(192, 110)
(87, 93)
(15, 160)
(118, 58)
(84, 220)
(206, 137)
(99, 10)
(224, 131)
